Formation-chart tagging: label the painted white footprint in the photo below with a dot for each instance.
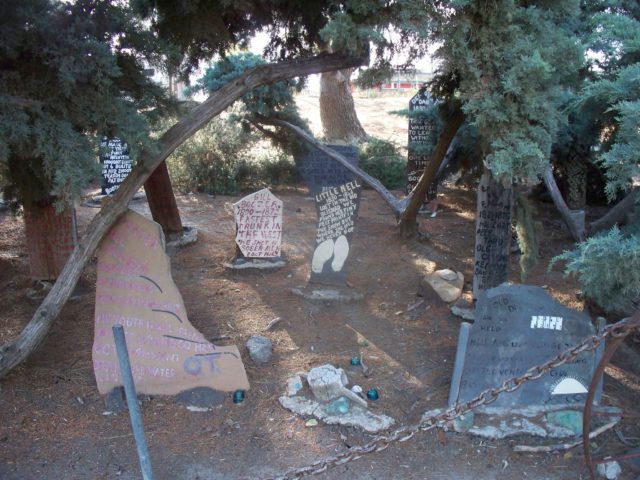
(340, 253)
(322, 253)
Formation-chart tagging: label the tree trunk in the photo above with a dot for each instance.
(617, 214)
(162, 202)
(51, 238)
(573, 222)
(408, 221)
(493, 233)
(337, 112)
(16, 351)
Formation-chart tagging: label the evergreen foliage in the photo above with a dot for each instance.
(69, 74)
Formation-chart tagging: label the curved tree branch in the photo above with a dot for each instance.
(14, 352)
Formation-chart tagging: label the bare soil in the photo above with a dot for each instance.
(53, 422)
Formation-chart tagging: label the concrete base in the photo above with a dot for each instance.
(189, 236)
(255, 263)
(558, 421)
(327, 293)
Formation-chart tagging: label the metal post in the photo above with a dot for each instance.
(458, 365)
(132, 401)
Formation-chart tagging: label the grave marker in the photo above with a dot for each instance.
(421, 131)
(337, 210)
(518, 327)
(259, 225)
(321, 172)
(116, 164)
(135, 288)
(493, 234)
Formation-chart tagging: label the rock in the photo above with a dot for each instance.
(260, 348)
(115, 401)
(312, 422)
(200, 397)
(357, 417)
(327, 382)
(294, 385)
(464, 309)
(609, 470)
(443, 283)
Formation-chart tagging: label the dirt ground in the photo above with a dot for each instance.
(54, 424)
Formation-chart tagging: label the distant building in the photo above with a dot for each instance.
(402, 81)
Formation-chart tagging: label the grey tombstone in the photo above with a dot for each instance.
(321, 172)
(337, 210)
(518, 327)
(421, 131)
(116, 164)
(493, 234)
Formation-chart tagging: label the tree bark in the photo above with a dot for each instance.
(162, 201)
(408, 221)
(577, 230)
(337, 111)
(616, 215)
(16, 351)
(51, 237)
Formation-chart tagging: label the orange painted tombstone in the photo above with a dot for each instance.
(135, 288)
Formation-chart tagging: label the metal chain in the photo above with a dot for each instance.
(490, 395)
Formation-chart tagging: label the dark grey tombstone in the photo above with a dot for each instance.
(518, 327)
(421, 131)
(337, 210)
(116, 164)
(321, 172)
(493, 234)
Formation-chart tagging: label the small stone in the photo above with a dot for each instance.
(464, 309)
(609, 470)
(116, 401)
(202, 397)
(294, 385)
(193, 408)
(312, 422)
(260, 348)
(357, 389)
(446, 290)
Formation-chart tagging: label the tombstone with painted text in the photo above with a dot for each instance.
(259, 225)
(135, 289)
(321, 172)
(116, 164)
(518, 327)
(493, 234)
(337, 210)
(421, 131)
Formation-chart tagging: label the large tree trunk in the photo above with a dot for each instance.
(337, 112)
(162, 202)
(51, 238)
(14, 352)
(408, 221)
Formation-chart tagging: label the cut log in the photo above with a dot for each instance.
(16, 351)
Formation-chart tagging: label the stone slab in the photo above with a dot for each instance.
(259, 225)
(320, 172)
(518, 327)
(135, 289)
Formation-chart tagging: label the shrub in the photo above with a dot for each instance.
(380, 159)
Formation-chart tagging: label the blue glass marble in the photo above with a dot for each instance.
(372, 394)
(355, 361)
(238, 396)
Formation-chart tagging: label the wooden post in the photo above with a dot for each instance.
(162, 202)
(493, 233)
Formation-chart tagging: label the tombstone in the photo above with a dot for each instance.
(135, 288)
(518, 327)
(337, 210)
(493, 234)
(321, 172)
(421, 131)
(258, 231)
(116, 164)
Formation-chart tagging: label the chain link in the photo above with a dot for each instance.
(490, 395)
